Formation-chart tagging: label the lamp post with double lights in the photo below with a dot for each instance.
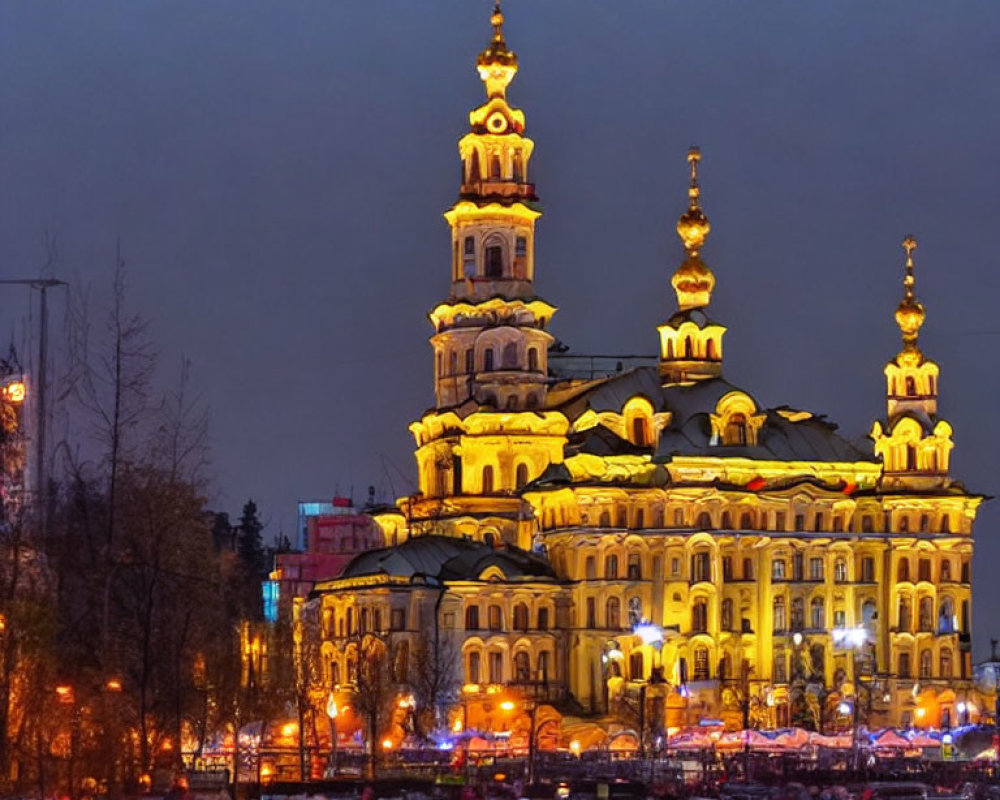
(852, 640)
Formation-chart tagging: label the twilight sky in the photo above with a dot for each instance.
(277, 172)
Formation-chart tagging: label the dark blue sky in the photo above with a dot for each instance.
(277, 173)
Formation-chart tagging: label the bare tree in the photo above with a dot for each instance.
(374, 693)
(436, 680)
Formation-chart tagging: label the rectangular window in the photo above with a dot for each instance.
(727, 568)
(924, 568)
(778, 569)
(700, 567)
(675, 566)
(868, 569)
(591, 612)
(839, 619)
(397, 621)
(470, 246)
(800, 522)
(591, 568)
(449, 619)
(678, 517)
(779, 521)
(780, 674)
(748, 569)
(634, 567)
(521, 246)
(815, 569)
(496, 667)
(496, 618)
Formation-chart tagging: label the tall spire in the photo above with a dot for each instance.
(910, 312)
(693, 281)
(497, 65)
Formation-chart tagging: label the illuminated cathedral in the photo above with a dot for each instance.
(654, 532)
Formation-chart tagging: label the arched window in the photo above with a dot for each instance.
(945, 570)
(727, 521)
(699, 616)
(701, 670)
(493, 266)
(474, 672)
(474, 171)
(926, 614)
(736, 430)
(780, 621)
(543, 619)
(611, 567)
(904, 614)
(946, 616)
(488, 479)
(521, 476)
(472, 618)
(543, 666)
(798, 614)
(903, 570)
(926, 663)
(670, 350)
(946, 663)
(903, 665)
(640, 431)
(522, 667)
(712, 355)
(470, 360)
(532, 359)
(520, 617)
(613, 613)
(605, 519)
(518, 168)
(688, 348)
(817, 614)
(705, 521)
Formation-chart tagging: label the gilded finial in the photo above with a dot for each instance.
(496, 20)
(693, 281)
(496, 63)
(910, 313)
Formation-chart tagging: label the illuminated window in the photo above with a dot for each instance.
(701, 568)
(613, 613)
(699, 617)
(522, 667)
(634, 567)
(518, 169)
(817, 614)
(634, 611)
(496, 667)
(815, 569)
(736, 430)
(611, 567)
(926, 661)
(839, 619)
(701, 671)
(946, 663)
(840, 570)
(712, 355)
(778, 569)
(780, 622)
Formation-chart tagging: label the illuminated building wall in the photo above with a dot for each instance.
(780, 560)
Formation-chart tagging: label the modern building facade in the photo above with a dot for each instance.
(657, 526)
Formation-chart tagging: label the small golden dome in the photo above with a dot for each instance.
(910, 314)
(693, 282)
(497, 53)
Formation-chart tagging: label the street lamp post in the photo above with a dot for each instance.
(853, 640)
(331, 713)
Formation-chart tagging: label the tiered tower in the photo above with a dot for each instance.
(490, 347)
(690, 342)
(488, 434)
(915, 445)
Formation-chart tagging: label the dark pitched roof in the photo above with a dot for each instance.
(441, 558)
(811, 438)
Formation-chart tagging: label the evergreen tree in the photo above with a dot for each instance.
(249, 544)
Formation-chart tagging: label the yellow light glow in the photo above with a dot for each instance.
(65, 694)
(507, 705)
(113, 685)
(921, 712)
(387, 744)
(167, 745)
(457, 726)
(15, 392)
(265, 770)
(574, 747)
(289, 729)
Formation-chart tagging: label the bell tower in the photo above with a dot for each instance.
(490, 342)
(690, 342)
(915, 445)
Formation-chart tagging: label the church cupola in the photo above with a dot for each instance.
(691, 343)
(915, 445)
(490, 342)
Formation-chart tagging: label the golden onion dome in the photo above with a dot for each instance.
(693, 281)
(910, 314)
(497, 53)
